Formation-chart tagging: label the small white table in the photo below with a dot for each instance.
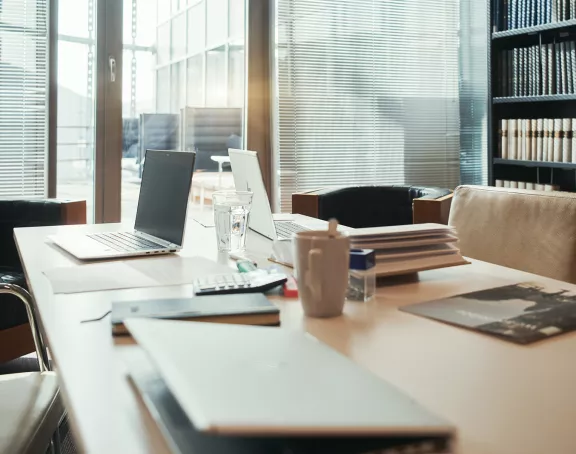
(220, 160)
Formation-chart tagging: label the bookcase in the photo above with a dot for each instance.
(532, 94)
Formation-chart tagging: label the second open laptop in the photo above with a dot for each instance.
(248, 177)
(160, 216)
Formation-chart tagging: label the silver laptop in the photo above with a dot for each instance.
(160, 216)
(248, 177)
(246, 380)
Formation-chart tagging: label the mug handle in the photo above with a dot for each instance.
(314, 275)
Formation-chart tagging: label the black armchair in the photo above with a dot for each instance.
(376, 206)
(15, 335)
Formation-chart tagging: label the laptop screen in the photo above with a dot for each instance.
(166, 180)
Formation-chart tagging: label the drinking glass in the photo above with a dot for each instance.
(231, 211)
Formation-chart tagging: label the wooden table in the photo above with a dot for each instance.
(503, 398)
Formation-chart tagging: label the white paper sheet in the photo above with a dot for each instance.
(136, 273)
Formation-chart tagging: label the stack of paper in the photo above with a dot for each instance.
(411, 248)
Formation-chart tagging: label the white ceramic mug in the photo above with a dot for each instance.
(321, 264)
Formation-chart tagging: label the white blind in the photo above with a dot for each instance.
(367, 93)
(23, 97)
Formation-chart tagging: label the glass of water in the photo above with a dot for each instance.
(231, 210)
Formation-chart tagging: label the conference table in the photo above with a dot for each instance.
(501, 397)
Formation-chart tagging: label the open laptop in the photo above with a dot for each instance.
(160, 216)
(260, 381)
(248, 177)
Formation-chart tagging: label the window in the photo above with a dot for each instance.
(367, 93)
(23, 98)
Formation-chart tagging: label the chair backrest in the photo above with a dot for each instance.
(530, 231)
(365, 206)
(34, 213)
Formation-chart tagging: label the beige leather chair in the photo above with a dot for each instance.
(531, 231)
(30, 405)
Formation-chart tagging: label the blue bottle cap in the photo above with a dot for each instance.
(362, 259)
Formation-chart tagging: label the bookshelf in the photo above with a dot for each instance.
(531, 33)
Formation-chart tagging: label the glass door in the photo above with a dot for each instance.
(76, 125)
(183, 89)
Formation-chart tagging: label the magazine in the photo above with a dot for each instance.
(522, 313)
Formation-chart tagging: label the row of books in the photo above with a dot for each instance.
(542, 139)
(546, 69)
(526, 185)
(513, 14)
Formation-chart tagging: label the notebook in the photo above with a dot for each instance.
(245, 308)
(521, 313)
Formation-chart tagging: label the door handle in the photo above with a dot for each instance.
(112, 66)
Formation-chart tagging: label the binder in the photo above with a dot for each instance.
(534, 138)
(550, 157)
(512, 139)
(568, 68)
(545, 139)
(550, 68)
(564, 74)
(543, 70)
(529, 72)
(515, 72)
(539, 139)
(522, 138)
(566, 140)
(573, 62)
(554, 12)
(504, 139)
(558, 69)
(557, 140)
(574, 140)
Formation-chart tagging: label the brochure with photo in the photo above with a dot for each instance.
(522, 313)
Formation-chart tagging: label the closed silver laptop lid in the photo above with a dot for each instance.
(248, 380)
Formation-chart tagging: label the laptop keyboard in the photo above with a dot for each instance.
(125, 241)
(285, 229)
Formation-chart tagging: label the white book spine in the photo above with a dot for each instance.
(521, 185)
(534, 137)
(530, 186)
(539, 187)
(514, 184)
(566, 140)
(548, 187)
(512, 139)
(574, 140)
(504, 139)
(506, 183)
(499, 183)
(545, 139)
(550, 156)
(557, 140)
(522, 135)
(544, 69)
(539, 139)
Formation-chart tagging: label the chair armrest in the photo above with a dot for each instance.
(34, 213)
(436, 211)
(306, 203)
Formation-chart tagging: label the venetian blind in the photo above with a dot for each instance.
(23, 97)
(367, 93)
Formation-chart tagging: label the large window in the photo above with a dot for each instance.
(367, 93)
(23, 98)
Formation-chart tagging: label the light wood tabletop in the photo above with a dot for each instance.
(501, 397)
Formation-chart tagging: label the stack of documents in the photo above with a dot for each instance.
(411, 248)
